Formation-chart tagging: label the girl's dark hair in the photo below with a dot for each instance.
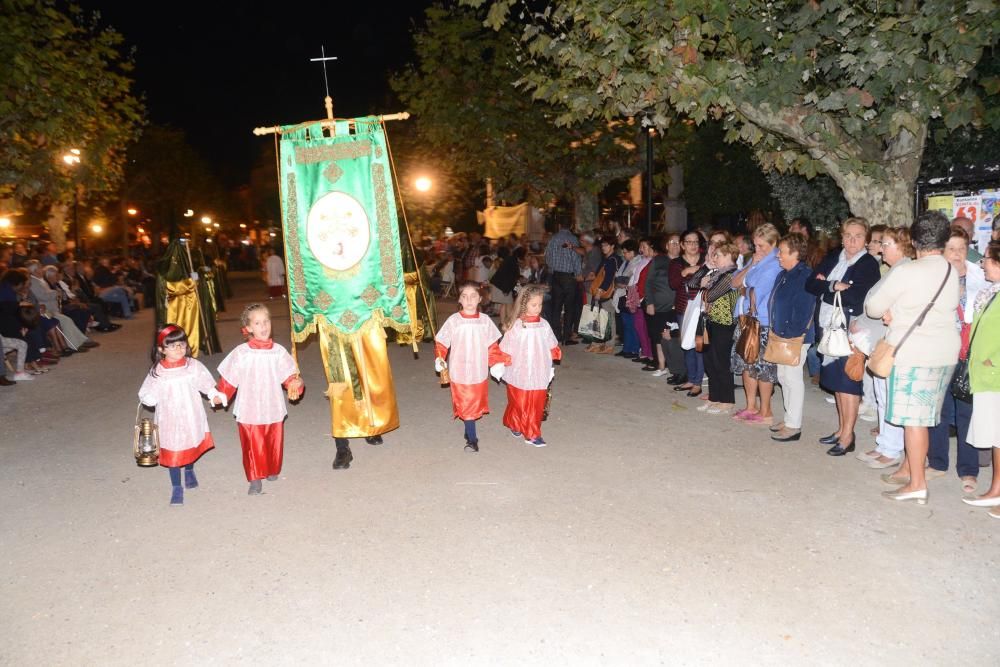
(629, 245)
(609, 240)
(15, 277)
(930, 231)
(470, 284)
(175, 336)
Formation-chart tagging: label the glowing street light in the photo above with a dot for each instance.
(5, 223)
(243, 225)
(72, 158)
(132, 211)
(189, 213)
(96, 228)
(206, 220)
(422, 184)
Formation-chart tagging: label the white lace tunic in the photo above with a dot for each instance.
(258, 374)
(469, 340)
(529, 345)
(176, 395)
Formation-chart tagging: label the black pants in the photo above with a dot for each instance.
(716, 355)
(564, 297)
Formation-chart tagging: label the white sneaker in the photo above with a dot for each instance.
(23, 377)
(867, 412)
(660, 373)
(831, 399)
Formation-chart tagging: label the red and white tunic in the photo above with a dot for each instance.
(255, 373)
(469, 342)
(175, 391)
(532, 348)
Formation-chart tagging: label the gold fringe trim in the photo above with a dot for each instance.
(377, 319)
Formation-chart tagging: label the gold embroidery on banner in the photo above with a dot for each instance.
(333, 172)
(397, 312)
(294, 251)
(322, 300)
(370, 296)
(392, 291)
(348, 319)
(388, 261)
(299, 320)
(328, 153)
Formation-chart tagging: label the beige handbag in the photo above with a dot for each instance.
(884, 355)
(783, 351)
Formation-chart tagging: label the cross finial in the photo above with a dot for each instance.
(328, 100)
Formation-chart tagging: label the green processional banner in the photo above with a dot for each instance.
(340, 229)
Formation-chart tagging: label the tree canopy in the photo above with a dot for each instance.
(463, 94)
(841, 87)
(64, 84)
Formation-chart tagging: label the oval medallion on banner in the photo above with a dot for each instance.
(338, 231)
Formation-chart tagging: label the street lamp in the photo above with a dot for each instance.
(72, 159)
(422, 184)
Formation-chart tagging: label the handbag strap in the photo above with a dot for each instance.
(987, 307)
(920, 320)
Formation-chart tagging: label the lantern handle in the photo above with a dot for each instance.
(138, 411)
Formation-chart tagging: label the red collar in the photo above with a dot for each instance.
(469, 317)
(531, 318)
(173, 364)
(260, 344)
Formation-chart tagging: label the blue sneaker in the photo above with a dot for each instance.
(516, 434)
(190, 481)
(177, 497)
(537, 442)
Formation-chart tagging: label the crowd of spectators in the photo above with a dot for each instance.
(767, 311)
(53, 306)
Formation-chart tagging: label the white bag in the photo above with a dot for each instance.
(689, 325)
(594, 324)
(835, 342)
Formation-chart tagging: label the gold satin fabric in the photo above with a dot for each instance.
(184, 310)
(365, 404)
(416, 334)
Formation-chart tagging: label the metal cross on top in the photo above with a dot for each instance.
(327, 100)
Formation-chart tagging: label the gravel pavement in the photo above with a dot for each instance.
(645, 533)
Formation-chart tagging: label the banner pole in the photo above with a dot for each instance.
(284, 254)
(431, 317)
(326, 122)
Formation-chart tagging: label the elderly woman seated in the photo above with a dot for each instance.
(47, 300)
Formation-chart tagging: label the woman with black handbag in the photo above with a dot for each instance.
(957, 411)
(984, 376)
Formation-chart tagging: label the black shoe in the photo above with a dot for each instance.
(67, 353)
(650, 367)
(641, 360)
(374, 440)
(4, 382)
(343, 459)
(623, 353)
(681, 387)
(695, 391)
(788, 438)
(830, 439)
(472, 445)
(840, 450)
(572, 342)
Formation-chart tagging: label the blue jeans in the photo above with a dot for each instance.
(958, 414)
(120, 296)
(812, 360)
(630, 339)
(695, 365)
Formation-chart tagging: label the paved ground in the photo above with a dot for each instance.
(644, 533)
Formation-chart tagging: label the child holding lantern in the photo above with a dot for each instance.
(174, 386)
(258, 369)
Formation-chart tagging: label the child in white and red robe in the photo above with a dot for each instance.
(255, 372)
(532, 348)
(468, 340)
(174, 387)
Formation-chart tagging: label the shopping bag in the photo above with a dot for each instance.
(689, 325)
(594, 324)
(835, 342)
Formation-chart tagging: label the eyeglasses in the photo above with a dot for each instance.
(886, 244)
(175, 346)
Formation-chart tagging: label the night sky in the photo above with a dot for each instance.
(218, 72)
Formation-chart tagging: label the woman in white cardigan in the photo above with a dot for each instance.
(924, 363)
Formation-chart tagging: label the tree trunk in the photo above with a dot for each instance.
(585, 211)
(57, 223)
(881, 202)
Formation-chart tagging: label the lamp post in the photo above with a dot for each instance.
(649, 181)
(72, 159)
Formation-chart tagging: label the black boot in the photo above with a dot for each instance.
(374, 440)
(344, 457)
